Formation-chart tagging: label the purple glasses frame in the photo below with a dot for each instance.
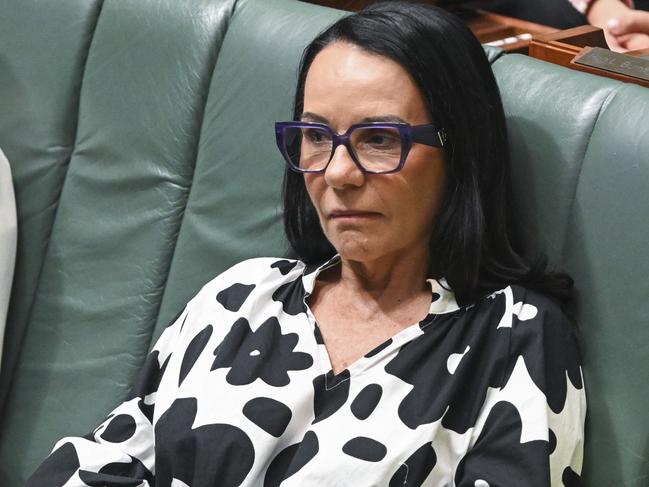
(421, 134)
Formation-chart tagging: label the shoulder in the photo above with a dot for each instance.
(539, 330)
(243, 289)
(259, 268)
(544, 339)
(251, 274)
(516, 307)
(538, 317)
(235, 293)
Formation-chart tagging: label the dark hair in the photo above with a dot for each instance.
(472, 243)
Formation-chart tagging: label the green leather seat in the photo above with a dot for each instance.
(141, 142)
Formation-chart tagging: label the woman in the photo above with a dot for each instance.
(403, 345)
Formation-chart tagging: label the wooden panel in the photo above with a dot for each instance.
(568, 46)
(553, 52)
(613, 65)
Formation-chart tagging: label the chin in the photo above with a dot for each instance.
(357, 250)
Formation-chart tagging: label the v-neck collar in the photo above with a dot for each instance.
(443, 298)
(442, 302)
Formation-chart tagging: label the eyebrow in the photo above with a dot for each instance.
(383, 118)
(314, 117)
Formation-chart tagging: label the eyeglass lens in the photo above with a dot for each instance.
(376, 148)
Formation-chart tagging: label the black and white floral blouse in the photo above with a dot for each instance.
(239, 390)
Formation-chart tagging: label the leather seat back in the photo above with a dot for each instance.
(141, 140)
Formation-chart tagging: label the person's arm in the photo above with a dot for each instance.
(630, 30)
(531, 431)
(121, 450)
(599, 12)
(625, 29)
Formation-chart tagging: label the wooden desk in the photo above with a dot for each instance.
(572, 47)
(508, 33)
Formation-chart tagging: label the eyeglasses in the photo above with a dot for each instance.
(376, 148)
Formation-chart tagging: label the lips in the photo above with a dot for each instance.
(343, 214)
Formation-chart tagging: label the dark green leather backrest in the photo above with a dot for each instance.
(141, 141)
(234, 208)
(42, 55)
(580, 147)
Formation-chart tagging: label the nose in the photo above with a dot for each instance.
(342, 170)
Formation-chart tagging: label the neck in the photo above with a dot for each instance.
(393, 276)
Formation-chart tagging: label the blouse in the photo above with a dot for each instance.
(239, 391)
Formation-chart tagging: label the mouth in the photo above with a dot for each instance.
(353, 215)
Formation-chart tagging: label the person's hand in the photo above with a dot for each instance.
(629, 31)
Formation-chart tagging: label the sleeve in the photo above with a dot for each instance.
(582, 6)
(8, 232)
(120, 451)
(530, 431)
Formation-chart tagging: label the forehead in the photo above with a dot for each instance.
(346, 83)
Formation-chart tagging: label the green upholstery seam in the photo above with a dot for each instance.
(9, 369)
(606, 101)
(208, 84)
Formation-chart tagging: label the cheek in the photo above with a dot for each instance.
(314, 189)
(426, 192)
(309, 183)
(432, 193)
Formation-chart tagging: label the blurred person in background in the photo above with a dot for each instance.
(625, 22)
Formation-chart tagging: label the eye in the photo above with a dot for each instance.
(381, 139)
(315, 136)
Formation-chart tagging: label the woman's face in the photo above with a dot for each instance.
(371, 216)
